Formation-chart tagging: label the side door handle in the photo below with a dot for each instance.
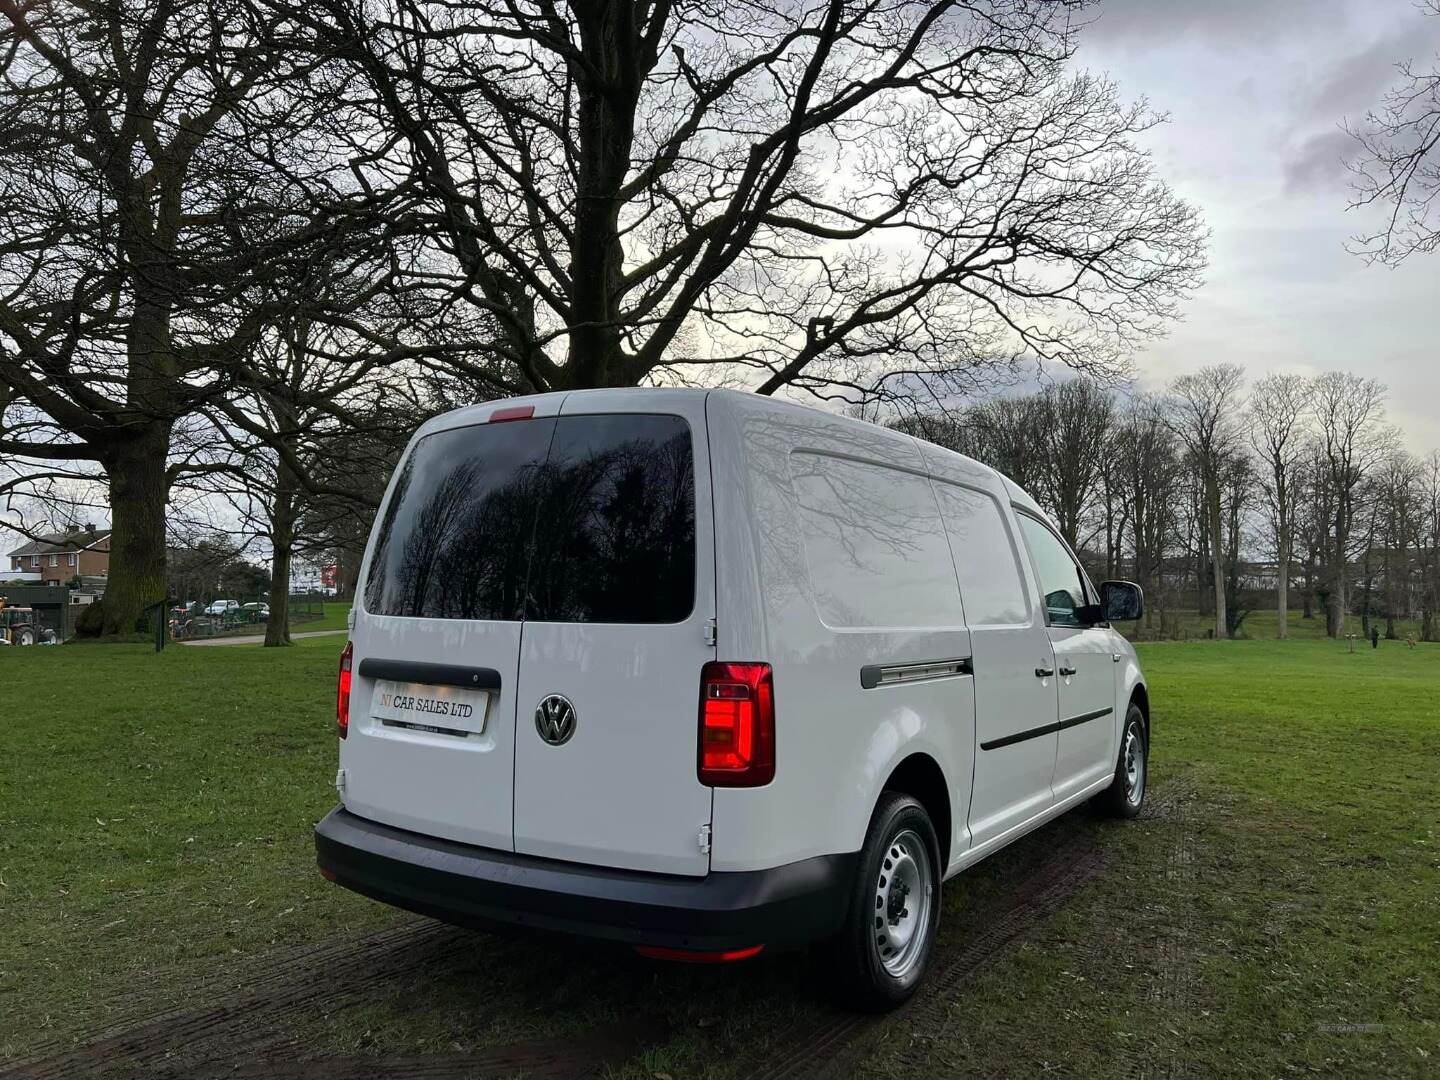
(1044, 672)
(1066, 671)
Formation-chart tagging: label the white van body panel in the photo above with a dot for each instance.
(1012, 784)
(421, 781)
(836, 743)
(623, 792)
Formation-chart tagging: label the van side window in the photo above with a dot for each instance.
(1061, 582)
(874, 544)
(990, 583)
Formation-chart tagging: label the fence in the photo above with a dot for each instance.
(230, 618)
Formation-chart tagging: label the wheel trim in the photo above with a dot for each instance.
(1134, 765)
(903, 894)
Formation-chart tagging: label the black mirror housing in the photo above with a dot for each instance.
(1121, 601)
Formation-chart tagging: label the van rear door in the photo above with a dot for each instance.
(621, 588)
(431, 743)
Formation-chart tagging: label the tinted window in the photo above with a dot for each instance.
(581, 519)
(990, 582)
(1060, 580)
(874, 544)
(615, 535)
(454, 542)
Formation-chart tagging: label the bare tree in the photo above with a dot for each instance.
(1398, 511)
(1237, 481)
(155, 209)
(1079, 415)
(861, 200)
(1428, 545)
(1204, 412)
(1348, 412)
(1147, 475)
(1398, 167)
(1279, 408)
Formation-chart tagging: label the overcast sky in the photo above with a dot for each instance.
(1256, 91)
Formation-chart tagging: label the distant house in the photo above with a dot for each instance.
(57, 558)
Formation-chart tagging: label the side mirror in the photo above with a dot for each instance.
(1121, 601)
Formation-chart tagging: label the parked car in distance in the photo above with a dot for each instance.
(256, 612)
(221, 607)
(706, 674)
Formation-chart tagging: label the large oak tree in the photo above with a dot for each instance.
(160, 201)
(862, 198)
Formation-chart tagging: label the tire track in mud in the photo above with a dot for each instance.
(241, 1032)
(244, 1034)
(1174, 987)
(834, 1044)
(837, 1043)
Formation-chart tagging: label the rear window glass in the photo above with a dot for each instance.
(576, 519)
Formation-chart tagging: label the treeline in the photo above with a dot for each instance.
(1293, 489)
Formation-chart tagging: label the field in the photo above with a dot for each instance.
(333, 618)
(1276, 911)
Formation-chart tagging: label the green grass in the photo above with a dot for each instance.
(155, 817)
(336, 612)
(1288, 922)
(1283, 917)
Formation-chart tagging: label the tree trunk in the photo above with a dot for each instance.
(1217, 568)
(1282, 600)
(1335, 612)
(139, 492)
(282, 543)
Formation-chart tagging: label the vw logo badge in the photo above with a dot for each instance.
(555, 719)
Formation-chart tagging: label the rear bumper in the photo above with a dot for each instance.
(780, 907)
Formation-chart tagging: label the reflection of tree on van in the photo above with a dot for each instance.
(587, 518)
(615, 532)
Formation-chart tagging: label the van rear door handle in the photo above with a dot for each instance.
(1066, 671)
(1044, 672)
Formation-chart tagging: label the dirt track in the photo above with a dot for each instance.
(240, 1031)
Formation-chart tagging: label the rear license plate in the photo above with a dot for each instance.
(421, 705)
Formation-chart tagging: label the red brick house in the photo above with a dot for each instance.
(56, 558)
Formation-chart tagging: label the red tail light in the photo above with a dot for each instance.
(342, 691)
(516, 412)
(737, 725)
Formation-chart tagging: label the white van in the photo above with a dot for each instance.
(708, 674)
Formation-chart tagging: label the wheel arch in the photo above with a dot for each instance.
(920, 776)
(1141, 696)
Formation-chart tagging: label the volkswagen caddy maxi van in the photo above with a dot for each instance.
(705, 674)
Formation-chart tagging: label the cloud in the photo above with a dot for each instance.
(1229, 22)
(1356, 82)
(1345, 90)
(1318, 162)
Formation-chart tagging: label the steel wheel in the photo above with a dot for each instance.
(904, 891)
(1134, 764)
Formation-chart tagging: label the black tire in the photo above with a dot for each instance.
(1119, 800)
(862, 978)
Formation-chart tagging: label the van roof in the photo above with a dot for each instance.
(742, 400)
